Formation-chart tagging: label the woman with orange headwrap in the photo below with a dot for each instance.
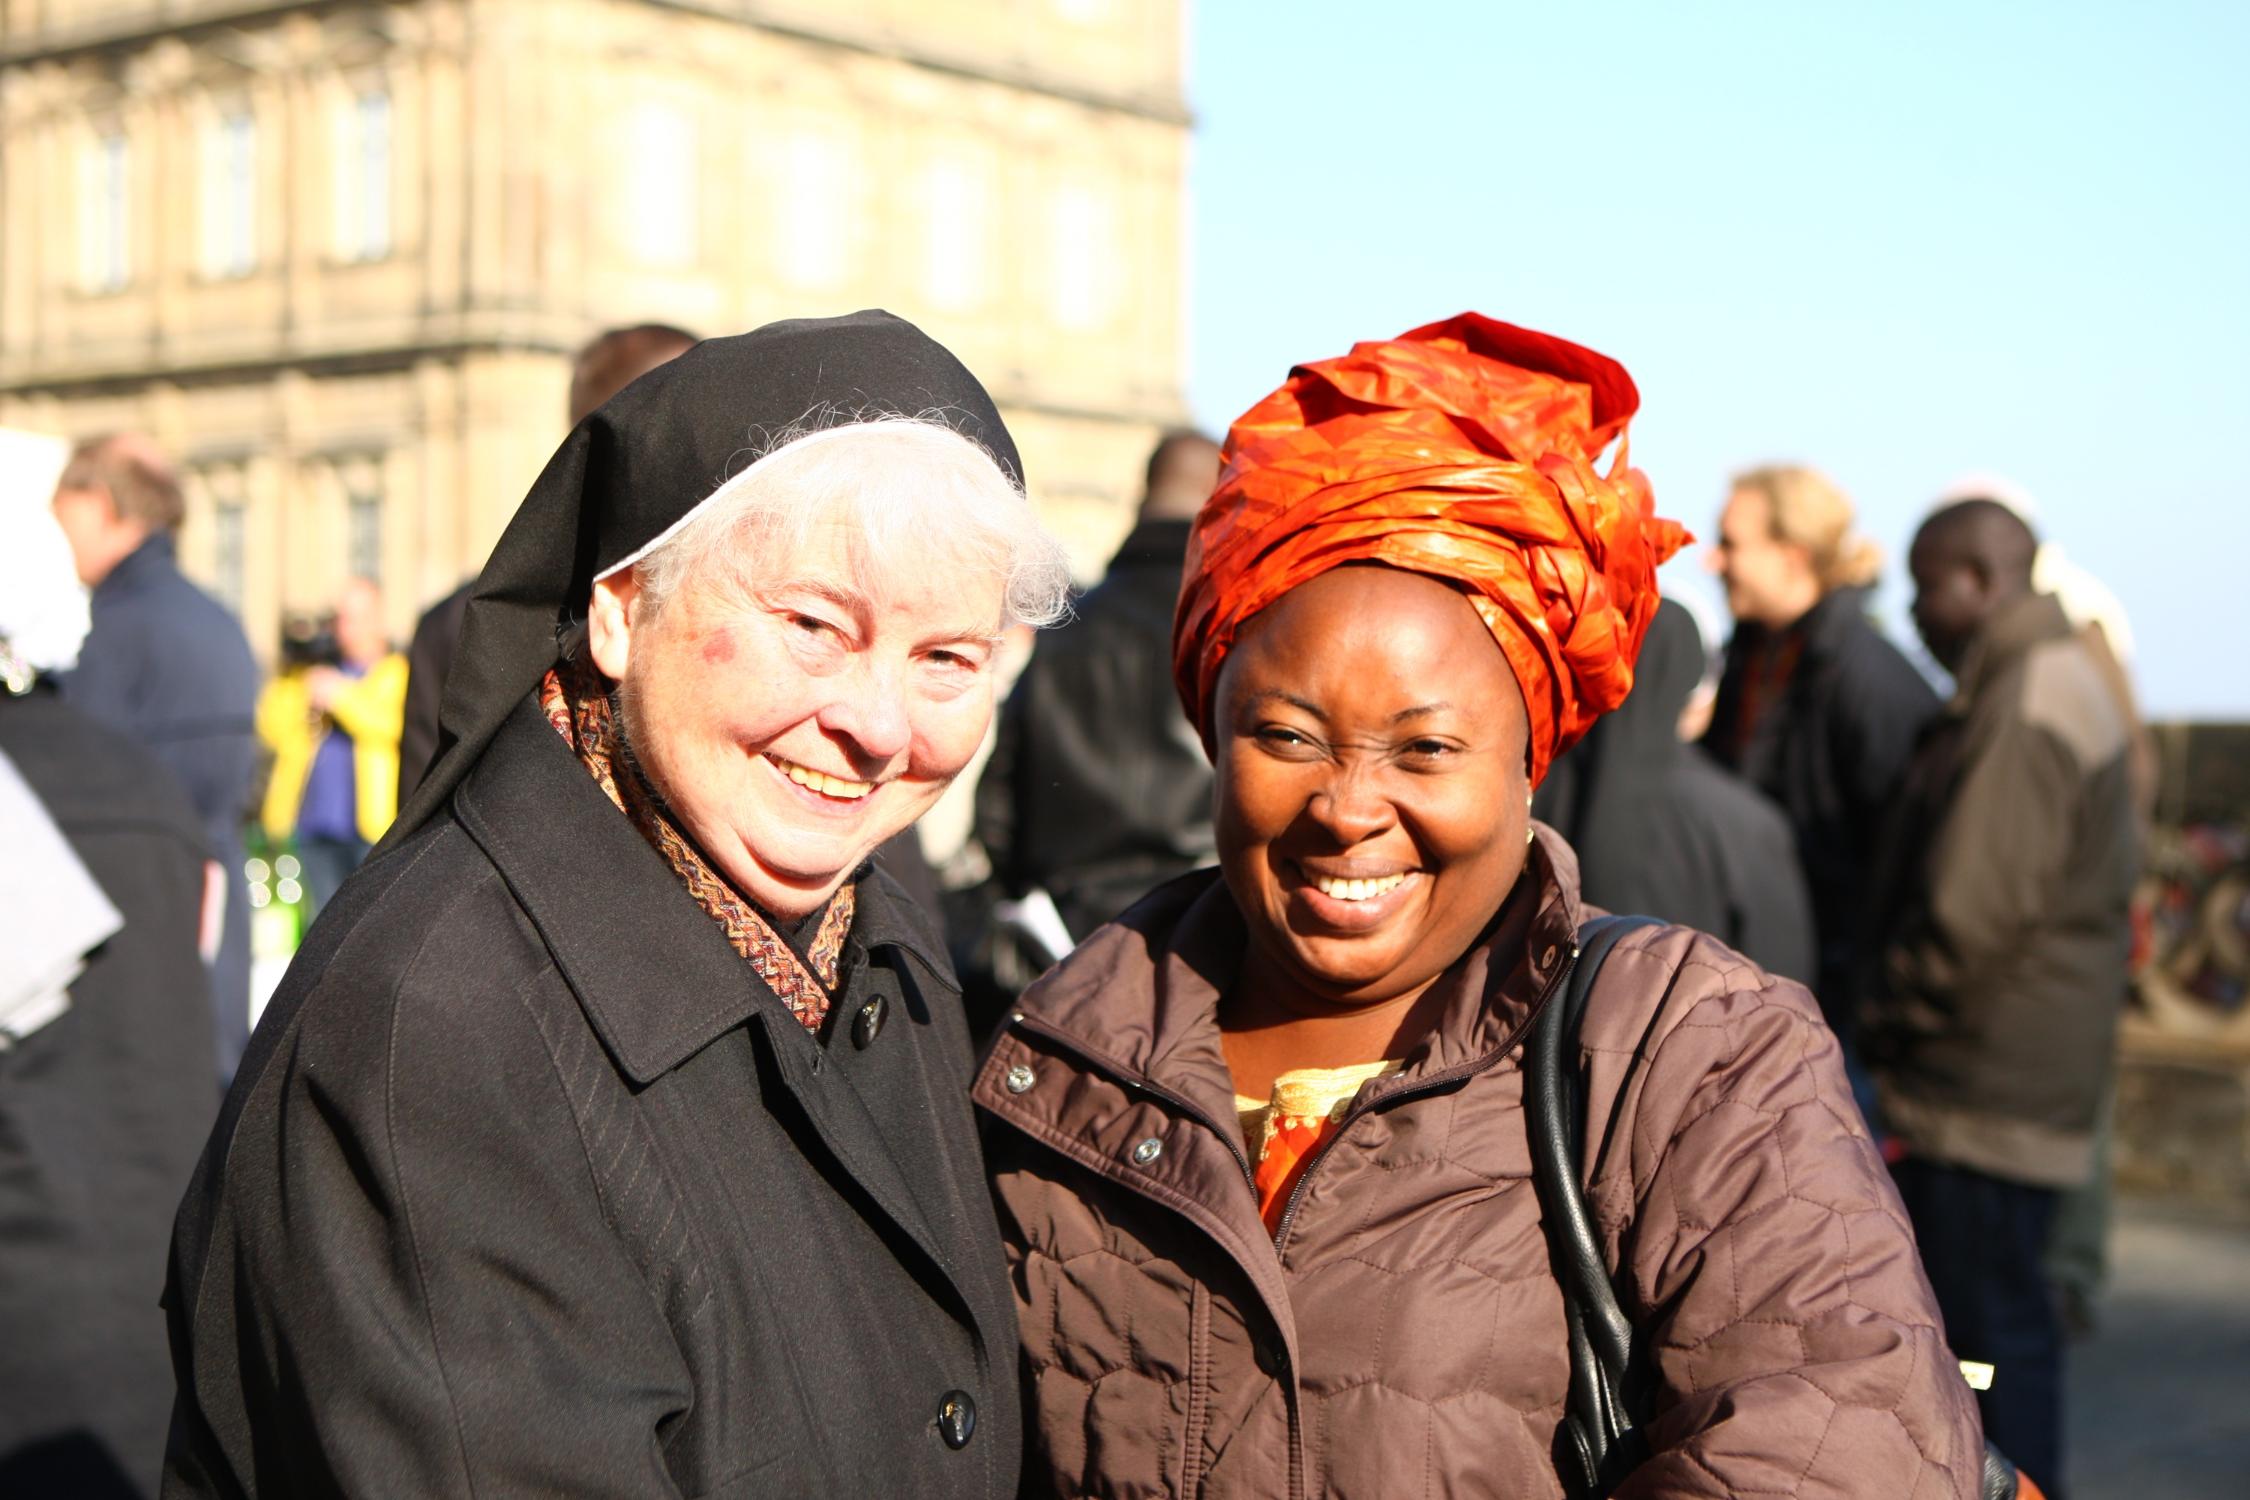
(1261, 1149)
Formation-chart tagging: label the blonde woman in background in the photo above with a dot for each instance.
(1816, 708)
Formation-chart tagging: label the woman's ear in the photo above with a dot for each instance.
(609, 622)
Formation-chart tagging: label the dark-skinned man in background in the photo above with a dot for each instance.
(1989, 1014)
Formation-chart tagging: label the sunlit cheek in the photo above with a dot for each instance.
(947, 734)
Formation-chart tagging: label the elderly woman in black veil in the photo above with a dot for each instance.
(610, 1134)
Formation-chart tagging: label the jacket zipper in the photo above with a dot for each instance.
(1435, 1081)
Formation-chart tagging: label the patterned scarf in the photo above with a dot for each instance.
(578, 708)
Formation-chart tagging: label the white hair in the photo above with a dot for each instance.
(909, 495)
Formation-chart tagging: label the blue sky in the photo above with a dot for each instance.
(1898, 242)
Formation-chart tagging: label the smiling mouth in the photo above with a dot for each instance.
(836, 787)
(1358, 890)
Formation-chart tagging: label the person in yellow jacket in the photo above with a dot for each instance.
(334, 735)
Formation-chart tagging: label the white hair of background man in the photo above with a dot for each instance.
(910, 496)
(43, 618)
(2084, 598)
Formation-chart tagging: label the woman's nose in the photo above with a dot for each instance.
(1350, 808)
(871, 712)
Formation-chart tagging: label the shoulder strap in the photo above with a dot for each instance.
(1602, 1439)
(1602, 1443)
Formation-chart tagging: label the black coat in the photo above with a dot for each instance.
(1662, 831)
(1098, 789)
(1830, 742)
(429, 656)
(529, 1186)
(165, 664)
(101, 1112)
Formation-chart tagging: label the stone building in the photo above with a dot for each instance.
(336, 256)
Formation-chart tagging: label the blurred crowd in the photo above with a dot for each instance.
(1947, 867)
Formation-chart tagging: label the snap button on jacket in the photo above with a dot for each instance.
(1402, 1334)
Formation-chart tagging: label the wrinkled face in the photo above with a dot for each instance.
(1951, 598)
(1768, 581)
(99, 538)
(792, 733)
(1372, 786)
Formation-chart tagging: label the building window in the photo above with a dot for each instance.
(363, 525)
(661, 181)
(363, 177)
(815, 214)
(104, 219)
(957, 209)
(229, 569)
(1084, 250)
(230, 196)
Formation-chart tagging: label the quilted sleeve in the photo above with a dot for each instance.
(1793, 1335)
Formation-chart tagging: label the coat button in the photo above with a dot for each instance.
(868, 1024)
(956, 1419)
(1020, 1079)
(1148, 1151)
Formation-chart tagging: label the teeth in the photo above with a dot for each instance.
(1359, 890)
(822, 782)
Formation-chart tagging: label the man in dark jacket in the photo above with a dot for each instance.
(610, 1134)
(1098, 790)
(1991, 1011)
(168, 666)
(1661, 831)
(1816, 709)
(102, 1107)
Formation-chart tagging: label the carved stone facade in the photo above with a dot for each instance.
(335, 257)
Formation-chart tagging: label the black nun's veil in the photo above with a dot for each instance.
(642, 462)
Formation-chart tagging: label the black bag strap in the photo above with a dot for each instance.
(1603, 1439)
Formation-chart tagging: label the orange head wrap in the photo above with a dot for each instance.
(1464, 450)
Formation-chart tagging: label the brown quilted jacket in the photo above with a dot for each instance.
(1402, 1334)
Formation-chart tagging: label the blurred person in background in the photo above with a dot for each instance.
(333, 728)
(1662, 831)
(2078, 1250)
(168, 665)
(610, 1135)
(1990, 1010)
(1098, 788)
(1816, 709)
(109, 907)
(609, 362)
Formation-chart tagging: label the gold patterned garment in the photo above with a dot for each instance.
(1283, 1132)
(579, 710)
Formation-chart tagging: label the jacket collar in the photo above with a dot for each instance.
(654, 974)
(140, 567)
(1141, 997)
(2013, 630)
(1824, 627)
